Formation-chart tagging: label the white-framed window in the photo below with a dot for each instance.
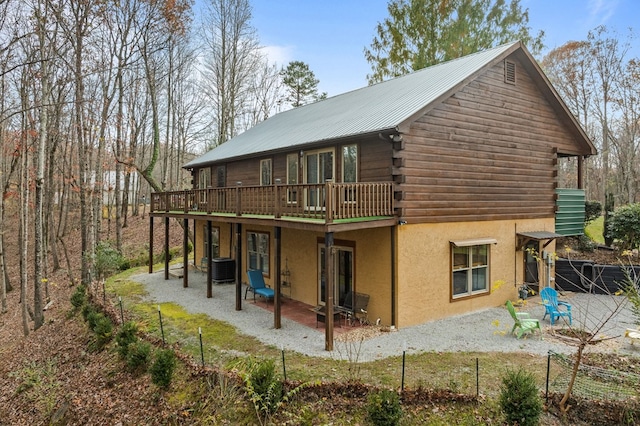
(265, 172)
(292, 178)
(212, 250)
(258, 251)
(204, 178)
(318, 168)
(470, 269)
(350, 163)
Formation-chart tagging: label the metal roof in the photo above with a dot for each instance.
(371, 109)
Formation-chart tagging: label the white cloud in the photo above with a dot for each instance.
(280, 55)
(600, 11)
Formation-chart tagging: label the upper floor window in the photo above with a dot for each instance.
(258, 251)
(350, 163)
(221, 176)
(204, 178)
(470, 269)
(265, 172)
(292, 177)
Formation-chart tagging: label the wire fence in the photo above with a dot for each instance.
(464, 377)
(591, 382)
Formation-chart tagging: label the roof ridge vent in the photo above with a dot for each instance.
(509, 72)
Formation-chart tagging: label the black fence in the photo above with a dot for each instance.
(586, 276)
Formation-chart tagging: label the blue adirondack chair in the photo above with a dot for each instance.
(553, 307)
(257, 286)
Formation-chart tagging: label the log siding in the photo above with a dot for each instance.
(488, 152)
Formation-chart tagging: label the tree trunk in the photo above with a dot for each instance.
(574, 373)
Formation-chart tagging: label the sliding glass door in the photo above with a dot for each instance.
(318, 169)
(343, 274)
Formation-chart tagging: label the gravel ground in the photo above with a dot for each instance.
(486, 330)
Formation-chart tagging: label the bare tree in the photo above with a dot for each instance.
(608, 54)
(231, 58)
(587, 328)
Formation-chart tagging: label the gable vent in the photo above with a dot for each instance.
(509, 72)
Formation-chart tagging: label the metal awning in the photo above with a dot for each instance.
(525, 237)
(474, 242)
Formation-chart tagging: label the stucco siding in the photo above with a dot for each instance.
(424, 267)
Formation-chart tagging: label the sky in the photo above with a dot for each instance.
(330, 35)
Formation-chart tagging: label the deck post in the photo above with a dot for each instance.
(150, 244)
(276, 201)
(238, 266)
(277, 298)
(185, 253)
(329, 200)
(166, 248)
(328, 319)
(209, 253)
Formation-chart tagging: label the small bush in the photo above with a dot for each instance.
(586, 244)
(592, 211)
(108, 260)
(89, 314)
(383, 408)
(126, 336)
(519, 399)
(163, 367)
(103, 330)
(138, 356)
(609, 206)
(79, 297)
(264, 388)
(624, 226)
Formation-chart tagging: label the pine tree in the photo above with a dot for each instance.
(301, 84)
(421, 33)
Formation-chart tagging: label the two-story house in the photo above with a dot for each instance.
(422, 191)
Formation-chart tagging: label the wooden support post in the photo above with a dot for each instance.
(166, 248)
(194, 243)
(329, 272)
(208, 252)
(580, 161)
(277, 298)
(185, 252)
(238, 266)
(150, 244)
(394, 231)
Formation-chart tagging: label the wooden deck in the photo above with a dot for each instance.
(326, 203)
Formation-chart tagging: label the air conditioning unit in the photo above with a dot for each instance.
(223, 270)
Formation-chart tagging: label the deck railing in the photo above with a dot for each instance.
(328, 201)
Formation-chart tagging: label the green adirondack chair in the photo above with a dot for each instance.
(522, 322)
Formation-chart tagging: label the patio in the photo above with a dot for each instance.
(293, 310)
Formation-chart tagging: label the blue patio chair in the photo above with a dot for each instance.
(552, 306)
(257, 286)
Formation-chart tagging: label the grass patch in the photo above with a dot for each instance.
(595, 230)
(224, 345)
